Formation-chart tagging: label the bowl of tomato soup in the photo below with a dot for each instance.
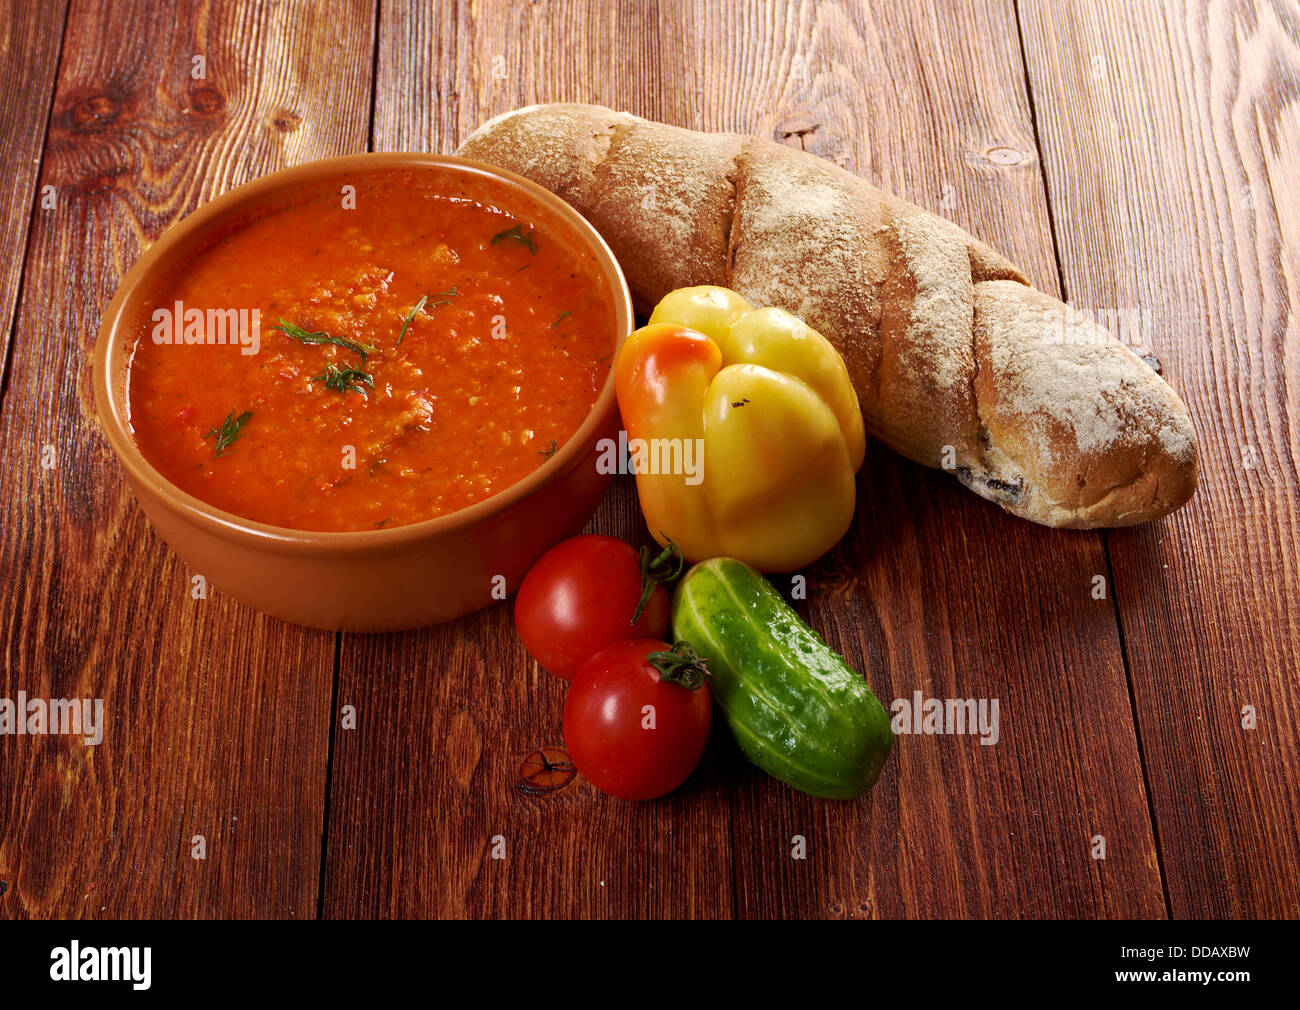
(368, 392)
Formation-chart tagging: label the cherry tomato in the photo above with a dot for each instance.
(630, 732)
(581, 596)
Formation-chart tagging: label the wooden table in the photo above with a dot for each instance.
(1141, 159)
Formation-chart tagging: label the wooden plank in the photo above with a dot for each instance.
(216, 719)
(1171, 136)
(29, 53)
(443, 69)
(934, 590)
(427, 814)
(446, 716)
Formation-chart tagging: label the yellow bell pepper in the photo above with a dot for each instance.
(743, 428)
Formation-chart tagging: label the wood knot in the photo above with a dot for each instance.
(545, 770)
(1005, 157)
(285, 121)
(91, 112)
(207, 101)
(798, 128)
(101, 182)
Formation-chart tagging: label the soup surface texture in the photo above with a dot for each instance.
(424, 343)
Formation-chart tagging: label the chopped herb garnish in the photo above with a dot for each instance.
(517, 234)
(411, 315)
(550, 450)
(345, 380)
(226, 432)
(561, 317)
(382, 523)
(443, 298)
(321, 337)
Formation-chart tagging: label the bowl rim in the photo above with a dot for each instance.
(283, 538)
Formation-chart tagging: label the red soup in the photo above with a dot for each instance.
(391, 348)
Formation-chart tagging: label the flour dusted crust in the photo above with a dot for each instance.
(1093, 435)
(958, 363)
(662, 198)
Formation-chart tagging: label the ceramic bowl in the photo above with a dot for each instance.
(375, 580)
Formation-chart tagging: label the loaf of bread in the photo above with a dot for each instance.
(958, 363)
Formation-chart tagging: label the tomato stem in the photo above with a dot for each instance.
(663, 568)
(682, 665)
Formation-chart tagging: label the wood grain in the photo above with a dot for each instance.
(1171, 134)
(217, 719)
(448, 715)
(934, 590)
(30, 36)
(1166, 190)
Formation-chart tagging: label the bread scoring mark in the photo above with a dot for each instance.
(605, 145)
(983, 440)
(733, 180)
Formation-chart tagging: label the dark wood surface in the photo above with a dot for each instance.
(1190, 210)
(1137, 159)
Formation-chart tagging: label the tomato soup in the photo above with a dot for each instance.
(390, 348)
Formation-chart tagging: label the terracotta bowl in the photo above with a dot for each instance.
(379, 580)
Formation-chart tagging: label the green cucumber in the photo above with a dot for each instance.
(794, 706)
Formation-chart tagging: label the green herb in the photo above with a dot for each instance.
(321, 337)
(444, 298)
(382, 523)
(345, 380)
(411, 315)
(226, 432)
(550, 450)
(517, 234)
(561, 317)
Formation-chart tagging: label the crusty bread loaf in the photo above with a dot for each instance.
(958, 363)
